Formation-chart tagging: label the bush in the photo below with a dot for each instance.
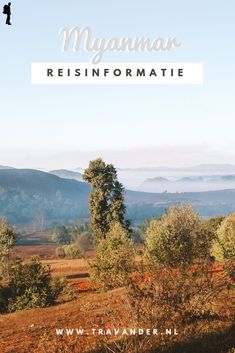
(61, 236)
(60, 252)
(182, 296)
(31, 286)
(4, 294)
(85, 241)
(72, 251)
(177, 238)
(224, 246)
(114, 258)
(213, 225)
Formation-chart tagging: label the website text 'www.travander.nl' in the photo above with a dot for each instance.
(116, 332)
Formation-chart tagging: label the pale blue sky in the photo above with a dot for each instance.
(42, 125)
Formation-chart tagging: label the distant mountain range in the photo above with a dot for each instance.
(193, 179)
(67, 174)
(193, 183)
(29, 196)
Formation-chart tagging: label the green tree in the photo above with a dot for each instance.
(106, 201)
(114, 258)
(177, 238)
(224, 245)
(7, 242)
(61, 235)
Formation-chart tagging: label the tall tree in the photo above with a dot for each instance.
(106, 201)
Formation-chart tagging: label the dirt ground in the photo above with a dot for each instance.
(33, 330)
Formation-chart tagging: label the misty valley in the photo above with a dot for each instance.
(44, 199)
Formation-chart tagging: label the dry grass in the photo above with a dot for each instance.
(33, 331)
(22, 330)
(46, 251)
(65, 267)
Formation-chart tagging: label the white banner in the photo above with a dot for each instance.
(117, 73)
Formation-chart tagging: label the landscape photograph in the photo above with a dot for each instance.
(117, 202)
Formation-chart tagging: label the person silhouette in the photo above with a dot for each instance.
(7, 11)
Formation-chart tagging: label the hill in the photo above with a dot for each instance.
(31, 197)
(142, 205)
(5, 167)
(27, 195)
(67, 174)
(156, 180)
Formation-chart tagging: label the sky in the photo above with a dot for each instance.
(65, 126)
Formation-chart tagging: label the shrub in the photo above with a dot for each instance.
(61, 236)
(213, 225)
(60, 252)
(224, 246)
(31, 286)
(179, 295)
(4, 294)
(72, 251)
(114, 258)
(85, 241)
(177, 238)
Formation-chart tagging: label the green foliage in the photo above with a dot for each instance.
(78, 228)
(4, 295)
(177, 238)
(224, 245)
(114, 258)
(138, 233)
(58, 285)
(72, 251)
(106, 201)
(7, 241)
(212, 224)
(117, 208)
(31, 286)
(61, 236)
